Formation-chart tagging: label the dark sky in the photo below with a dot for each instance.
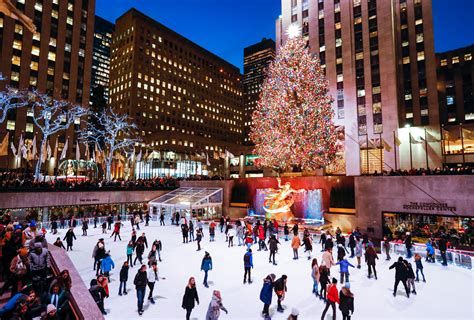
(225, 27)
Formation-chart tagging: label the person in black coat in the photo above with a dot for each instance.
(98, 294)
(346, 302)
(401, 274)
(280, 289)
(442, 246)
(190, 295)
(140, 282)
(69, 238)
(273, 245)
(139, 249)
(352, 244)
(123, 278)
(295, 229)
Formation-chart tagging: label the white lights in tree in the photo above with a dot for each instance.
(293, 31)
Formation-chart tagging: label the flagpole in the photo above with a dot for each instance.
(381, 154)
(411, 159)
(426, 150)
(395, 149)
(367, 152)
(462, 144)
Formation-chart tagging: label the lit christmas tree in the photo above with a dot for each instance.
(292, 124)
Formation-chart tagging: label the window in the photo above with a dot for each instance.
(443, 62)
(449, 100)
(455, 60)
(420, 55)
(29, 127)
(338, 42)
(419, 37)
(406, 60)
(468, 57)
(17, 44)
(10, 125)
(294, 18)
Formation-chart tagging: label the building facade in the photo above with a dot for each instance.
(455, 72)
(186, 101)
(379, 60)
(103, 31)
(257, 58)
(56, 60)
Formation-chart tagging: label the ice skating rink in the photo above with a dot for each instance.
(447, 294)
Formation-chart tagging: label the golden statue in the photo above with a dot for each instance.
(278, 202)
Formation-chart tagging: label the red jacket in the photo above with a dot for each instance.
(212, 225)
(261, 234)
(333, 294)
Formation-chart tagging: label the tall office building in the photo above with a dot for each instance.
(186, 101)
(103, 31)
(56, 59)
(379, 60)
(257, 58)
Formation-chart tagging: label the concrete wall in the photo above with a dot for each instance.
(14, 200)
(375, 195)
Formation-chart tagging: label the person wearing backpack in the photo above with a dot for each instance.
(248, 264)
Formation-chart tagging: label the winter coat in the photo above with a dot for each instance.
(248, 260)
(39, 261)
(295, 242)
(231, 232)
(206, 263)
(352, 241)
(107, 264)
(315, 274)
(442, 244)
(152, 276)
(286, 230)
(327, 259)
(267, 291)
(419, 264)
(85, 225)
(18, 266)
(410, 273)
(144, 240)
(332, 294)
(344, 265)
(346, 301)
(117, 226)
(358, 249)
(124, 273)
(97, 293)
(261, 233)
(308, 245)
(129, 249)
(140, 248)
(190, 295)
(273, 244)
(329, 244)
(429, 248)
(370, 256)
(341, 253)
(408, 243)
(280, 286)
(69, 236)
(140, 280)
(400, 270)
(214, 309)
(240, 231)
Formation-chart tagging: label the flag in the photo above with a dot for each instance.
(78, 152)
(33, 151)
(12, 146)
(21, 144)
(55, 152)
(96, 154)
(131, 156)
(414, 140)
(386, 146)
(63, 153)
(146, 154)
(4, 146)
(49, 151)
(228, 154)
(397, 141)
(139, 157)
(87, 154)
(43, 152)
(207, 160)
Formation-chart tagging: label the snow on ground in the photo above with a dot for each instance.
(447, 294)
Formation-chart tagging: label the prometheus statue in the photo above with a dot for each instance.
(278, 202)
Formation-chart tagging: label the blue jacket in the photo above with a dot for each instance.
(206, 264)
(248, 264)
(344, 265)
(107, 264)
(267, 291)
(129, 249)
(11, 304)
(429, 248)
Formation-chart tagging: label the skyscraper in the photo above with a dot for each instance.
(186, 101)
(257, 58)
(56, 59)
(380, 64)
(103, 31)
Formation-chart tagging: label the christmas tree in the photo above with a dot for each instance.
(292, 124)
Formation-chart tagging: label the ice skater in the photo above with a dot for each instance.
(206, 266)
(190, 295)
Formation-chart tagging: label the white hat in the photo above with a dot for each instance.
(50, 308)
(294, 312)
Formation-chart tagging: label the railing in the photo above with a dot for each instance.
(461, 258)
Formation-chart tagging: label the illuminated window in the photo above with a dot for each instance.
(16, 60)
(17, 44)
(443, 62)
(34, 65)
(18, 29)
(449, 100)
(468, 57)
(29, 127)
(35, 51)
(406, 60)
(419, 37)
(338, 42)
(455, 60)
(10, 125)
(420, 56)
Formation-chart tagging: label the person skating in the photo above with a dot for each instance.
(295, 245)
(286, 231)
(134, 237)
(143, 239)
(206, 265)
(315, 275)
(98, 294)
(184, 232)
(104, 227)
(159, 247)
(69, 237)
(410, 277)
(400, 275)
(116, 231)
(386, 247)
(152, 276)
(215, 306)
(358, 252)
(130, 249)
(344, 269)
(430, 252)
(248, 264)
(222, 223)
(327, 259)
(147, 219)
(212, 231)
(266, 294)
(329, 244)
(322, 240)
(98, 254)
(346, 301)
(191, 230)
(85, 226)
(341, 253)
(162, 218)
(139, 249)
(152, 255)
(419, 267)
(295, 229)
(273, 245)
(352, 244)
(58, 243)
(442, 246)
(198, 239)
(110, 219)
(370, 257)
(332, 299)
(123, 278)
(140, 283)
(231, 234)
(240, 233)
(408, 244)
(261, 238)
(280, 290)
(106, 265)
(190, 295)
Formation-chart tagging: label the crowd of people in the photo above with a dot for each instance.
(35, 292)
(427, 172)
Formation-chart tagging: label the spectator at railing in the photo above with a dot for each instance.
(426, 172)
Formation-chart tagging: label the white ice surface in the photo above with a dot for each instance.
(447, 294)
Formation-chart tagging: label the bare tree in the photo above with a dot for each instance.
(52, 116)
(10, 98)
(112, 132)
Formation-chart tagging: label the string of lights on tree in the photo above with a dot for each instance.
(293, 121)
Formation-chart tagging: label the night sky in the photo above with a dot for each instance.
(225, 27)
